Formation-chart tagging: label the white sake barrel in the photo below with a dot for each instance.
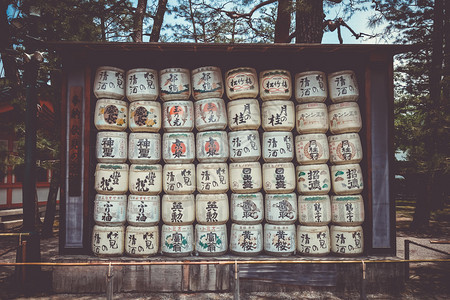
(344, 117)
(346, 240)
(313, 179)
(111, 179)
(212, 178)
(143, 210)
(347, 179)
(311, 87)
(110, 210)
(179, 178)
(144, 148)
(278, 146)
(178, 116)
(243, 114)
(345, 148)
(241, 83)
(212, 146)
(313, 240)
(278, 177)
(207, 83)
(108, 240)
(177, 240)
(246, 240)
(311, 118)
(275, 85)
(111, 115)
(109, 83)
(279, 240)
(210, 114)
(144, 116)
(281, 209)
(178, 209)
(311, 148)
(178, 147)
(343, 86)
(244, 145)
(111, 147)
(314, 210)
(347, 210)
(141, 241)
(247, 208)
(211, 209)
(142, 84)
(145, 179)
(245, 177)
(211, 240)
(175, 84)
(278, 115)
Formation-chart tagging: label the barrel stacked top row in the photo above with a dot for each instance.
(146, 179)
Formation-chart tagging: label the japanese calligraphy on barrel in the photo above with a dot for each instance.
(243, 114)
(275, 85)
(212, 178)
(347, 240)
(313, 179)
(178, 116)
(246, 240)
(311, 148)
(143, 210)
(247, 208)
(111, 147)
(179, 179)
(110, 210)
(310, 87)
(278, 115)
(108, 240)
(314, 210)
(347, 179)
(142, 84)
(345, 148)
(178, 147)
(241, 83)
(245, 177)
(210, 114)
(313, 240)
(278, 177)
(111, 115)
(211, 240)
(279, 240)
(244, 145)
(344, 117)
(347, 210)
(144, 116)
(311, 118)
(145, 179)
(281, 209)
(343, 86)
(211, 209)
(212, 146)
(111, 179)
(141, 241)
(144, 148)
(178, 209)
(109, 83)
(175, 84)
(207, 83)
(177, 240)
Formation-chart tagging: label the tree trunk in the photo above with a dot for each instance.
(139, 21)
(158, 21)
(309, 21)
(423, 184)
(283, 23)
(50, 210)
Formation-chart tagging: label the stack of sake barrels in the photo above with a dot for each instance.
(244, 120)
(278, 120)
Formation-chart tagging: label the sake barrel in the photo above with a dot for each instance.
(278, 146)
(347, 210)
(344, 117)
(311, 86)
(144, 116)
(207, 83)
(244, 145)
(275, 85)
(212, 178)
(281, 209)
(311, 118)
(141, 241)
(111, 115)
(343, 86)
(347, 179)
(245, 177)
(278, 177)
(314, 210)
(144, 148)
(111, 147)
(108, 240)
(179, 178)
(145, 179)
(210, 114)
(279, 240)
(177, 240)
(347, 240)
(246, 240)
(313, 179)
(211, 240)
(345, 148)
(110, 210)
(178, 116)
(175, 84)
(178, 209)
(247, 208)
(143, 210)
(313, 240)
(241, 83)
(212, 146)
(178, 148)
(109, 83)
(111, 179)
(311, 148)
(243, 114)
(211, 209)
(278, 115)
(142, 84)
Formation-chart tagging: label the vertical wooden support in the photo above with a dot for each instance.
(109, 283)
